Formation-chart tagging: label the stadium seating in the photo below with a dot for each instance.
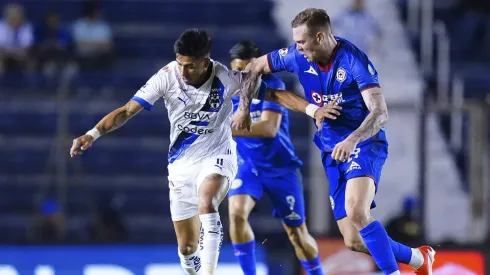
(130, 163)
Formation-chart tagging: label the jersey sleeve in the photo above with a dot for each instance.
(156, 87)
(270, 106)
(275, 83)
(283, 60)
(364, 73)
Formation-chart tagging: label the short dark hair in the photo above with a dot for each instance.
(245, 50)
(194, 43)
(314, 19)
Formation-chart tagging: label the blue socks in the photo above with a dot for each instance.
(245, 254)
(379, 245)
(312, 267)
(402, 253)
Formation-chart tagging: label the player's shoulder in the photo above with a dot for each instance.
(349, 52)
(226, 75)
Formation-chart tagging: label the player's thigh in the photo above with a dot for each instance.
(182, 192)
(336, 184)
(362, 172)
(245, 190)
(286, 194)
(214, 179)
(359, 195)
(187, 232)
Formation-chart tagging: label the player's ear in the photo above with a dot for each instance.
(206, 62)
(320, 37)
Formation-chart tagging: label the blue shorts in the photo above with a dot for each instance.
(366, 161)
(285, 192)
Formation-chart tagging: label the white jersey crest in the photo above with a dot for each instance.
(200, 118)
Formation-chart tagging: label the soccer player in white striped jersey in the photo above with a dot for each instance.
(202, 157)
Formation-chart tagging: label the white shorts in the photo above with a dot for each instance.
(184, 180)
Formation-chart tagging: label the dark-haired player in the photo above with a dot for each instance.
(202, 157)
(354, 145)
(267, 163)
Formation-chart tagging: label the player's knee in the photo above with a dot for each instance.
(238, 215)
(297, 235)
(357, 212)
(187, 248)
(207, 205)
(354, 244)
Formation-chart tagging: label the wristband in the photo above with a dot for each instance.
(94, 133)
(311, 109)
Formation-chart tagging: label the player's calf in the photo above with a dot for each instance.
(187, 232)
(241, 233)
(306, 248)
(403, 254)
(210, 194)
(359, 195)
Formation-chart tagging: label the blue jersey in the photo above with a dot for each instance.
(346, 76)
(270, 157)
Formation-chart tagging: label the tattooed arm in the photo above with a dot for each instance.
(377, 118)
(254, 70)
(109, 123)
(155, 88)
(118, 117)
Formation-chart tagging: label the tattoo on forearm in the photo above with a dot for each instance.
(375, 120)
(115, 120)
(247, 90)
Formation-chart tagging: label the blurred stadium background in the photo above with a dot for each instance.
(65, 63)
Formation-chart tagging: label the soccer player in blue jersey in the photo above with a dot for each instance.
(267, 163)
(353, 144)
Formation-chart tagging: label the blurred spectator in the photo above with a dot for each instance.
(52, 43)
(359, 27)
(93, 39)
(16, 39)
(50, 226)
(109, 224)
(471, 32)
(406, 227)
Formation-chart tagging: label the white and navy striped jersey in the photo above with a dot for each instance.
(200, 118)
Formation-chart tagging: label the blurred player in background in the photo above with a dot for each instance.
(267, 163)
(202, 157)
(353, 144)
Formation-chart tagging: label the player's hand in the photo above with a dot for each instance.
(241, 120)
(330, 111)
(81, 144)
(343, 150)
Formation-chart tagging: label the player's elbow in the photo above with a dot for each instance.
(381, 116)
(272, 130)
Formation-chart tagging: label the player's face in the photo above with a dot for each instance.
(306, 43)
(239, 64)
(192, 69)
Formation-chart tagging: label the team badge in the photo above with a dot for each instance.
(214, 101)
(316, 97)
(165, 68)
(283, 51)
(341, 75)
(371, 69)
